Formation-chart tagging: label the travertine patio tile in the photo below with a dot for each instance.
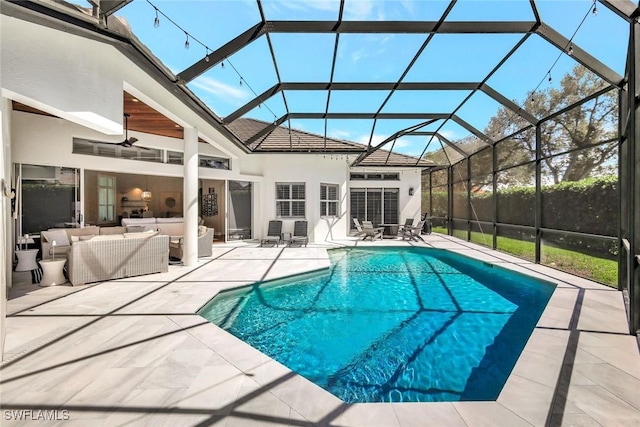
(144, 407)
(433, 413)
(620, 341)
(257, 407)
(603, 406)
(612, 379)
(603, 311)
(216, 387)
(284, 268)
(304, 253)
(575, 420)
(626, 362)
(231, 269)
(528, 399)
(369, 414)
(108, 390)
(489, 414)
(253, 253)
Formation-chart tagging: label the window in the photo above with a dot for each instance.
(106, 198)
(328, 200)
(108, 149)
(213, 162)
(378, 205)
(394, 176)
(57, 188)
(290, 200)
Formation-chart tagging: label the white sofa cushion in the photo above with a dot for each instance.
(169, 220)
(59, 235)
(171, 229)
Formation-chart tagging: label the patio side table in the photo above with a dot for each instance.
(26, 259)
(52, 272)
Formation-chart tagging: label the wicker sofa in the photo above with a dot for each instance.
(116, 256)
(174, 227)
(65, 236)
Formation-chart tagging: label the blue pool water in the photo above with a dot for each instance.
(392, 324)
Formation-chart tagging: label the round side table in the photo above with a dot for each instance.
(52, 272)
(26, 259)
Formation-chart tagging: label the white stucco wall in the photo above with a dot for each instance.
(316, 169)
(64, 75)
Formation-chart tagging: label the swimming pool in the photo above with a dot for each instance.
(391, 324)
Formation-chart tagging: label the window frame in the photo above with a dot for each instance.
(111, 191)
(290, 200)
(324, 203)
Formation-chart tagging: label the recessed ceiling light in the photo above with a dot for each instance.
(135, 100)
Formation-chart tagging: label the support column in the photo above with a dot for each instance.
(190, 200)
(633, 177)
(538, 206)
(6, 222)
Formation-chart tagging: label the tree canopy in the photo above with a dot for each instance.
(577, 144)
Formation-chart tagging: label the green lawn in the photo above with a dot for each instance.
(598, 269)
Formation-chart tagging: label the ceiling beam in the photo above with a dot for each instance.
(268, 129)
(624, 8)
(252, 104)
(579, 54)
(497, 96)
(471, 129)
(443, 139)
(396, 135)
(358, 27)
(400, 27)
(388, 116)
(221, 53)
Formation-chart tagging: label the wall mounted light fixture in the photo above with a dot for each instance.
(411, 191)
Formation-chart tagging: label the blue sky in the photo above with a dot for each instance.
(373, 57)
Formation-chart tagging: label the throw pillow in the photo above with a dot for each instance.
(87, 237)
(202, 230)
(36, 275)
(135, 228)
(59, 235)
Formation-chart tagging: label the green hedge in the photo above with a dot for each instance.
(587, 206)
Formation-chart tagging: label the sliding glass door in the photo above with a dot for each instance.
(378, 205)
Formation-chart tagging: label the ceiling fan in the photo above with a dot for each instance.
(128, 142)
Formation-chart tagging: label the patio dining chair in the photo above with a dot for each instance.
(359, 230)
(407, 223)
(371, 231)
(274, 234)
(300, 232)
(413, 232)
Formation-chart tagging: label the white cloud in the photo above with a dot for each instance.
(450, 135)
(340, 134)
(323, 5)
(358, 10)
(377, 139)
(358, 55)
(217, 88)
(408, 5)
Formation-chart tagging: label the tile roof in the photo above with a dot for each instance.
(280, 139)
